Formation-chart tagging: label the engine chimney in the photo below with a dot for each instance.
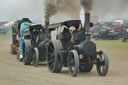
(46, 25)
(86, 28)
(87, 22)
(46, 22)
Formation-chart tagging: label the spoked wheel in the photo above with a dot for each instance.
(103, 64)
(35, 57)
(73, 62)
(54, 58)
(60, 62)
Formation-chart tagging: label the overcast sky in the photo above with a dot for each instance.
(12, 9)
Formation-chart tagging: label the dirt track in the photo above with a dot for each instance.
(12, 72)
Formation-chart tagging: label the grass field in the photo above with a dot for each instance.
(115, 44)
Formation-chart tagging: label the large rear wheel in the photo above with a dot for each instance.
(35, 57)
(28, 55)
(54, 57)
(26, 44)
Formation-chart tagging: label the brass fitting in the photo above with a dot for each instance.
(47, 20)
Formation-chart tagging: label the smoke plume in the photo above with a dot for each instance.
(51, 8)
(87, 4)
(70, 7)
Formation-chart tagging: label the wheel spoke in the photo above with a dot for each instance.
(51, 60)
(53, 53)
(103, 68)
(51, 48)
(73, 61)
(49, 53)
(103, 62)
(51, 66)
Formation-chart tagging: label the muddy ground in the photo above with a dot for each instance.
(13, 72)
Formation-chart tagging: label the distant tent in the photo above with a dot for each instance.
(8, 25)
(2, 23)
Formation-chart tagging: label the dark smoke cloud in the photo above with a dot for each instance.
(70, 7)
(87, 4)
(51, 8)
(104, 9)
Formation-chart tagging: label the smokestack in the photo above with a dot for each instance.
(87, 5)
(46, 22)
(46, 25)
(86, 28)
(87, 22)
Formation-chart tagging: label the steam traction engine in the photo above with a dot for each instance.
(74, 49)
(32, 54)
(35, 52)
(16, 34)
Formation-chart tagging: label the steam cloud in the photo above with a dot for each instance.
(87, 4)
(104, 9)
(51, 8)
(70, 7)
